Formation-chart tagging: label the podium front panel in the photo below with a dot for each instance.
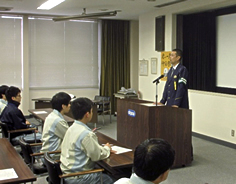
(137, 122)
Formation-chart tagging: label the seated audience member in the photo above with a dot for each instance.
(3, 99)
(13, 116)
(55, 126)
(80, 148)
(152, 161)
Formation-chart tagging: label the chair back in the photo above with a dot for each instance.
(36, 167)
(53, 168)
(98, 98)
(106, 101)
(5, 134)
(103, 104)
(4, 129)
(26, 151)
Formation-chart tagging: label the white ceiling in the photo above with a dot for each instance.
(130, 9)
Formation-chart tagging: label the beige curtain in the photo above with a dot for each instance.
(115, 58)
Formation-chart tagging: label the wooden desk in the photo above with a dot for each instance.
(115, 161)
(43, 116)
(111, 164)
(11, 159)
(118, 165)
(41, 103)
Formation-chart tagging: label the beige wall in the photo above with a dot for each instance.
(134, 46)
(212, 113)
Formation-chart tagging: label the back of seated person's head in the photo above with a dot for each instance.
(12, 91)
(60, 99)
(80, 107)
(152, 158)
(3, 90)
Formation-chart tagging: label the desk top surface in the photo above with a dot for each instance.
(48, 100)
(41, 99)
(11, 159)
(47, 111)
(116, 160)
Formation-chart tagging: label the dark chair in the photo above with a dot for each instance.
(55, 174)
(30, 157)
(6, 133)
(103, 106)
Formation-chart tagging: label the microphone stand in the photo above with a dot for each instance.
(157, 82)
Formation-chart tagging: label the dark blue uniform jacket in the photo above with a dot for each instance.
(176, 91)
(14, 118)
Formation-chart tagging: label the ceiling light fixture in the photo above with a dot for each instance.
(49, 4)
(84, 15)
(169, 3)
(5, 8)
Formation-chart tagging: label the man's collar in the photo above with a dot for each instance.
(174, 67)
(58, 113)
(14, 103)
(3, 101)
(81, 123)
(137, 180)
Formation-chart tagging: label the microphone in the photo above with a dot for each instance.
(157, 79)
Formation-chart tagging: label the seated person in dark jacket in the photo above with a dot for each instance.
(13, 116)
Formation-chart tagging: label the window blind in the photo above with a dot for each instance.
(63, 54)
(10, 51)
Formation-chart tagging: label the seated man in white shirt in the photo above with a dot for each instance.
(152, 161)
(3, 99)
(80, 148)
(55, 126)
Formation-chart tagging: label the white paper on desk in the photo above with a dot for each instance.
(120, 150)
(148, 104)
(6, 174)
(40, 112)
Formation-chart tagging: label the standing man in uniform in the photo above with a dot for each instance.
(176, 92)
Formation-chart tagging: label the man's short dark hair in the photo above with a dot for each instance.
(178, 53)
(60, 99)
(3, 90)
(152, 158)
(80, 107)
(12, 91)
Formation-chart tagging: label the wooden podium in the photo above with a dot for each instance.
(138, 120)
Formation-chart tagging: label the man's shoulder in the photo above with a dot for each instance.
(2, 106)
(12, 109)
(182, 69)
(181, 66)
(53, 117)
(79, 129)
(123, 181)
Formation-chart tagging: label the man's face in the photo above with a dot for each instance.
(66, 108)
(17, 98)
(91, 114)
(174, 59)
(4, 97)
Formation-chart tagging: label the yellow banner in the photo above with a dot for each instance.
(165, 63)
